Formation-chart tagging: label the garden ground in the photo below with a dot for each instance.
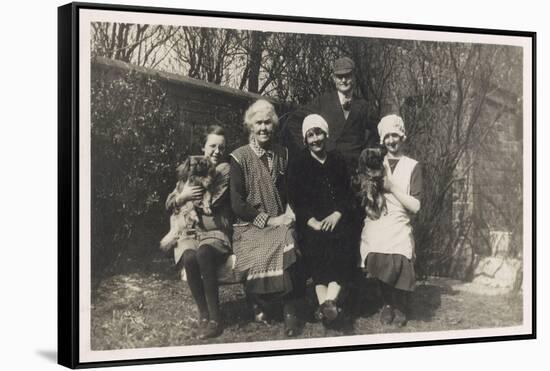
(152, 308)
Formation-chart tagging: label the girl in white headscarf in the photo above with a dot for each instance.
(387, 243)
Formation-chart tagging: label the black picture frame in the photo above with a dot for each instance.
(70, 186)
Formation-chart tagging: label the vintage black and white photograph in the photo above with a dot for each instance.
(262, 185)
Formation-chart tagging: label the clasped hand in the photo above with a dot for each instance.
(328, 224)
(283, 219)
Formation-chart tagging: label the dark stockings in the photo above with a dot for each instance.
(394, 297)
(200, 267)
(289, 299)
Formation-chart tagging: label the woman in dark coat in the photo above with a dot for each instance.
(321, 200)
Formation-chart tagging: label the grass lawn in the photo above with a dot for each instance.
(153, 308)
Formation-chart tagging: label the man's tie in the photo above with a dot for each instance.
(347, 104)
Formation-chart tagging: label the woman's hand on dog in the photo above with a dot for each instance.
(189, 193)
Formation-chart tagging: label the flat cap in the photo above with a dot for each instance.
(342, 66)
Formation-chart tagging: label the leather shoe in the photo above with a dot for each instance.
(330, 310)
(399, 319)
(318, 314)
(203, 322)
(386, 315)
(292, 326)
(213, 329)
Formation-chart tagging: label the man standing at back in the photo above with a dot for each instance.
(346, 115)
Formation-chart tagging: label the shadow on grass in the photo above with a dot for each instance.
(366, 299)
(426, 300)
(235, 311)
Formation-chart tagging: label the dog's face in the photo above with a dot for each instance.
(199, 166)
(371, 159)
(194, 166)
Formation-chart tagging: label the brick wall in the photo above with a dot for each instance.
(198, 103)
(498, 176)
(488, 197)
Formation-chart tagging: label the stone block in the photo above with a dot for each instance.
(500, 243)
(497, 272)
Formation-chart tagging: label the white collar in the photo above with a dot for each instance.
(315, 157)
(342, 97)
(259, 151)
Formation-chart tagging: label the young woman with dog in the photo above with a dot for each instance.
(263, 235)
(201, 254)
(387, 243)
(321, 199)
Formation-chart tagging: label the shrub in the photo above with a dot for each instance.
(136, 140)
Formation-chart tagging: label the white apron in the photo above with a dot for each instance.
(392, 232)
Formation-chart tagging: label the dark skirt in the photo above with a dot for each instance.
(394, 269)
(327, 258)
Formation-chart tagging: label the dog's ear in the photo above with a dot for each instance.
(363, 156)
(383, 150)
(194, 160)
(362, 160)
(183, 170)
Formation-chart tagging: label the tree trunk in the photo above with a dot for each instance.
(255, 60)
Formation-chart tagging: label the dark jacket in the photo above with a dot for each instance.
(320, 189)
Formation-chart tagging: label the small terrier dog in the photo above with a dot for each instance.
(195, 171)
(369, 181)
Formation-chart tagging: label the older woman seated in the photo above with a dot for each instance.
(263, 236)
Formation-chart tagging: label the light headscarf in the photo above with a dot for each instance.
(391, 124)
(314, 121)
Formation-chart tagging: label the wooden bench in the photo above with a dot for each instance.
(226, 273)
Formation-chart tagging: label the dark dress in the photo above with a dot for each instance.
(319, 189)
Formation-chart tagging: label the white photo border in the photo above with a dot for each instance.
(86, 15)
